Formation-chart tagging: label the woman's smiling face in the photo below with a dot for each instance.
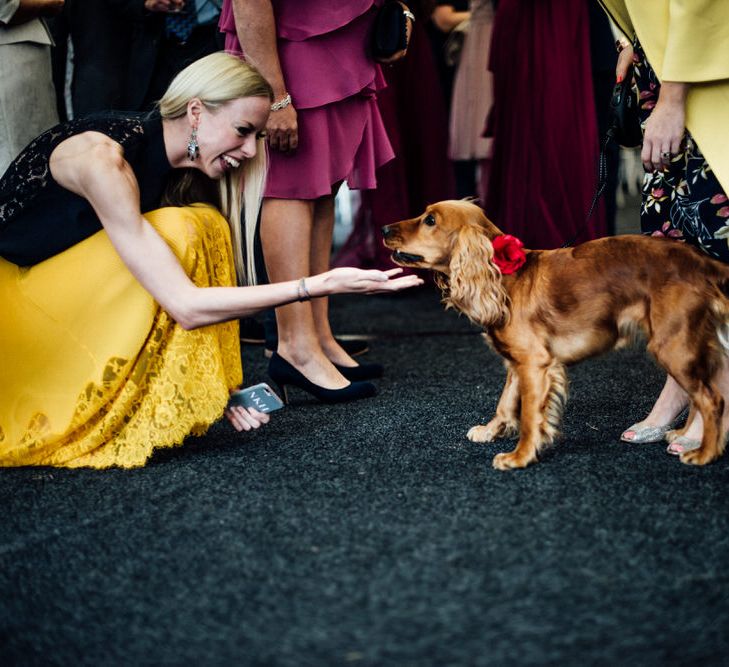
(228, 135)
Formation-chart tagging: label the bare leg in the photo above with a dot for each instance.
(287, 229)
(694, 429)
(321, 248)
(710, 405)
(671, 401)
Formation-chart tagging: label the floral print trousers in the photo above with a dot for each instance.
(683, 201)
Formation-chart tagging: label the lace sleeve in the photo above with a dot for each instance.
(29, 174)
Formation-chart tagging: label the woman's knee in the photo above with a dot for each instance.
(188, 230)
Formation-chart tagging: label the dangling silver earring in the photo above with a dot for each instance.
(193, 148)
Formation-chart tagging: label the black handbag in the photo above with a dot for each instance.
(623, 128)
(624, 120)
(390, 30)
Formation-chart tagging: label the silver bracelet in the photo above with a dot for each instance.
(302, 291)
(282, 103)
(409, 14)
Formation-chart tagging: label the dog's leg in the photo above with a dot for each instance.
(675, 433)
(710, 403)
(700, 379)
(543, 388)
(505, 423)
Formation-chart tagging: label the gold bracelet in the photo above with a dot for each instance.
(302, 291)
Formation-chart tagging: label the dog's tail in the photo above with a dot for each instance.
(722, 333)
(719, 307)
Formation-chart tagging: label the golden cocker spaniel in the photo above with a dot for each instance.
(545, 309)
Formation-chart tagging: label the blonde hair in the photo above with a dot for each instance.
(216, 79)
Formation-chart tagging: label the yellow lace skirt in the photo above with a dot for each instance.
(92, 371)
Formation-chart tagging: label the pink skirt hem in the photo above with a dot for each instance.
(345, 140)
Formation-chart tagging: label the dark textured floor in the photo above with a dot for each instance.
(374, 533)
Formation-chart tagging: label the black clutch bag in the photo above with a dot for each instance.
(390, 30)
(624, 126)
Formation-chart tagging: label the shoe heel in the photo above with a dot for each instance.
(282, 391)
(283, 373)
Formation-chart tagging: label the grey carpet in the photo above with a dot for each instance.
(374, 533)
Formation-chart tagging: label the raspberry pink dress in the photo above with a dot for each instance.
(323, 48)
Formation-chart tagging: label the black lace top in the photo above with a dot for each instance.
(39, 218)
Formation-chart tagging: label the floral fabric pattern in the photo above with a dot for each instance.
(685, 200)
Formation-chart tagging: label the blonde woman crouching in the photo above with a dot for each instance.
(121, 256)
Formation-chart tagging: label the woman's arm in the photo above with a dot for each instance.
(93, 166)
(28, 10)
(445, 17)
(256, 30)
(665, 127)
(694, 54)
(138, 10)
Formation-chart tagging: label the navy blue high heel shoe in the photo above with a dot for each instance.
(361, 372)
(283, 374)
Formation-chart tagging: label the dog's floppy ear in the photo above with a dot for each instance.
(475, 281)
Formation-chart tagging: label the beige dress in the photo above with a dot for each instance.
(472, 90)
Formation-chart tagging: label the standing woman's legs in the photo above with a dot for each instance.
(291, 235)
(679, 202)
(654, 198)
(321, 248)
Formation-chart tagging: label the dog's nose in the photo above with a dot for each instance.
(387, 231)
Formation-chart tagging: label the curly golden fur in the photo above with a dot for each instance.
(568, 304)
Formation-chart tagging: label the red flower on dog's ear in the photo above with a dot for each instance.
(509, 253)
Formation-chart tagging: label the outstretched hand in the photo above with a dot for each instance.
(366, 281)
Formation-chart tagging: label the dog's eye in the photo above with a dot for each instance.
(429, 220)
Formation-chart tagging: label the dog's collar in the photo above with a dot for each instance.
(509, 253)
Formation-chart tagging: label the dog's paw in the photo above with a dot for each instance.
(674, 434)
(496, 428)
(481, 433)
(510, 461)
(698, 457)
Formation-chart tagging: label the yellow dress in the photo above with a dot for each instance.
(92, 371)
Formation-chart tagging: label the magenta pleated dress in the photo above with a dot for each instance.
(324, 52)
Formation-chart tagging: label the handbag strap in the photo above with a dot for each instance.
(602, 176)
